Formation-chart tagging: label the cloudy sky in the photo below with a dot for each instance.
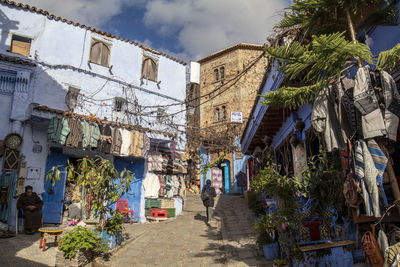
(187, 29)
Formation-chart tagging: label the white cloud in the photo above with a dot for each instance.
(200, 26)
(90, 12)
(206, 26)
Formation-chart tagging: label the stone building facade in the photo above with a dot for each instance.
(229, 83)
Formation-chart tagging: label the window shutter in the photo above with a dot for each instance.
(154, 70)
(95, 53)
(19, 47)
(105, 55)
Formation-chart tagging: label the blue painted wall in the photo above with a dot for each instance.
(238, 166)
(135, 195)
(204, 160)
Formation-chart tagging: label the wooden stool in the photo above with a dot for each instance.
(49, 231)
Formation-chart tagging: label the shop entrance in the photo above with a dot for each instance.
(225, 166)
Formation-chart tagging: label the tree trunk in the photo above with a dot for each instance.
(352, 33)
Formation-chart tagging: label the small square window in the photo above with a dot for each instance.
(149, 69)
(120, 104)
(100, 53)
(71, 99)
(20, 45)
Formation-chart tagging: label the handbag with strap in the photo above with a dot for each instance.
(372, 252)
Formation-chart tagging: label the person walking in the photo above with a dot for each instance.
(207, 196)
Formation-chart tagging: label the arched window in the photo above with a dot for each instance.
(216, 72)
(149, 69)
(222, 73)
(223, 109)
(100, 53)
(217, 118)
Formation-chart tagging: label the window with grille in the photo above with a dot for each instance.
(71, 99)
(223, 111)
(149, 69)
(217, 117)
(216, 73)
(222, 73)
(100, 53)
(20, 45)
(120, 104)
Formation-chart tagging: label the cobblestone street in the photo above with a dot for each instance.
(189, 241)
(184, 241)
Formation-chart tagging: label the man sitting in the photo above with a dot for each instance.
(31, 205)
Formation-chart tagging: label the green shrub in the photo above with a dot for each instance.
(84, 240)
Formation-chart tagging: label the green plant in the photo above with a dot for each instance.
(325, 181)
(284, 188)
(265, 230)
(53, 175)
(106, 185)
(83, 240)
(281, 262)
(254, 203)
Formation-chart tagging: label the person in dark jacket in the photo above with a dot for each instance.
(207, 196)
(31, 205)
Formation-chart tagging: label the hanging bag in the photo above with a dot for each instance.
(372, 252)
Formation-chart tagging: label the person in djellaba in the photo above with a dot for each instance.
(31, 204)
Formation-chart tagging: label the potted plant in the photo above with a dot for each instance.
(266, 238)
(80, 246)
(281, 263)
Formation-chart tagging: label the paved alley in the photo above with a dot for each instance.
(189, 241)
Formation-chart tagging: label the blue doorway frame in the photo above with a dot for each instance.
(226, 168)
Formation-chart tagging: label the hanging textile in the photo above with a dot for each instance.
(155, 161)
(182, 187)
(116, 141)
(379, 115)
(151, 185)
(105, 142)
(136, 148)
(7, 191)
(91, 134)
(324, 119)
(58, 130)
(380, 162)
(75, 135)
(126, 142)
(162, 190)
(146, 145)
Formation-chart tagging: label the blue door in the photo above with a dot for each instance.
(53, 201)
(134, 195)
(227, 176)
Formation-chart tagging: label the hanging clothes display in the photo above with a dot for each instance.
(155, 161)
(146, 145)
(7, 187)
(324, 119)
(105, 141)
(136, 148)
(116, 141)
(75, 135)
(378, 114)
(91, 134)
(126, 142)
(58, 130)
(151, 185)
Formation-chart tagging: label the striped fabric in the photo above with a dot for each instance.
(359, 171)
(380, 161)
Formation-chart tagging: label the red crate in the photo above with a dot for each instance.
(159, 213)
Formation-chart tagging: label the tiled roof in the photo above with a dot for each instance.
(77, 24)
(229, 49)
(16, 60)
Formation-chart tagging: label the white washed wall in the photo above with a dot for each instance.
(58, 48)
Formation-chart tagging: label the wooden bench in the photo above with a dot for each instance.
(331, 244)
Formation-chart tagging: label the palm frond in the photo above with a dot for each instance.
(389, 59)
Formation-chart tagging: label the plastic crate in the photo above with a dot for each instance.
(171, 212)
(152, 203)
(159, 213)
(167, 203)
(147, 212)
